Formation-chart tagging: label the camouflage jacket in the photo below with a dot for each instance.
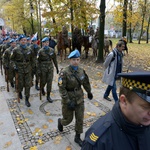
(6, 57)
(46, 58)
(22, 59)
(70, 82)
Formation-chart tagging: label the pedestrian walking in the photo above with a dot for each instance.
(113, 65)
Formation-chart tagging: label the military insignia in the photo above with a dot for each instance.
(11, 53)
(60, 81)
(93, 137)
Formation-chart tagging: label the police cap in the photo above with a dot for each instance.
(138, 82)
(74, 54)
(12, 40)
(45, 39)
(34, 39)
(28, 38)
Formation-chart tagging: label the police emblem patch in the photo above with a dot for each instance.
(60, 81)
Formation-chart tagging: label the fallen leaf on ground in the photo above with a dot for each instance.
(33, 148)
(96, 104)
(68, 148)
(44, 126)
(12, 134)
(30, 111)
(57, 140)
(50, 120)
(40, 141)
(7, 144)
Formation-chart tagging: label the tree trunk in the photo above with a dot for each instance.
(72, 26)
(100, 57)
(130, 25)
(124, 24)
(147, 31)
(143, 16)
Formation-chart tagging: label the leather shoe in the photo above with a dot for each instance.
(60, 126)
(20, 95)
(107, 98)
(43, 92)
(49, 99)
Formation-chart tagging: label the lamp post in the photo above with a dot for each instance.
(31, 12)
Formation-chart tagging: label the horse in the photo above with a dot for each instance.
(94, 46)
(107, 44)
(62, 46)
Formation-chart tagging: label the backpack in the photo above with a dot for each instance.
(113, 58)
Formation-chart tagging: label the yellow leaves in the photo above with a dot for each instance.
(21, 121)
(50, 120)
(68, 148)
(40, 141)
(37, 131)
(96, 104)
(12, 134)
(103, 113)
(48, 114)
(8, 144)
(30, 111)
(57, 140)
(91, 113)
(44, 126)
(33, 148)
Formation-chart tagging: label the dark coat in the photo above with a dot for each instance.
(113, 132)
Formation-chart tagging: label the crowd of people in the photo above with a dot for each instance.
(24, 62)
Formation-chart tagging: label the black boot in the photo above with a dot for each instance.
(20, 95)
(27, 103)
(43, 92)
(36, 86)
(78, 140)
(60, 126)
(49, 98)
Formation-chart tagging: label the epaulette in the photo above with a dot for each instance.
(98, 129)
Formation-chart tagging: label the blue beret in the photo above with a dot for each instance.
(138, 82)
(45, 39)
(28, 38)
(6, 38)
(12, 40)
(34, 39)
(21, 37)
(74, 54)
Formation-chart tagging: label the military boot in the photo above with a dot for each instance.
(20, 95)
(49, 98)
(60, 126)
(43, 92)
(78, 140)
(36, 86)
(27, 103)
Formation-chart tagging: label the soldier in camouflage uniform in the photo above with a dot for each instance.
(21, 58)
(70, 80)
(7, 63)
(5, 45)
(46, 58)
(35, 48)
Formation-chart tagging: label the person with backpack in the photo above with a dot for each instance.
(113, 66)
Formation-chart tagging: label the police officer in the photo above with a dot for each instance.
(22, 60)
(35, 48)
(46, 58)
(70, 80)
(127, 126)
(7, 63)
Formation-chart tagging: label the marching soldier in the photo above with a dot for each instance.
(35, 48)
(21, 58)
(46, 59)
(7, 64)
(69, 82)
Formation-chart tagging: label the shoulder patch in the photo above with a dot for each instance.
(60, 81)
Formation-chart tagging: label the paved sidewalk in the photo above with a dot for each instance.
(35, 128)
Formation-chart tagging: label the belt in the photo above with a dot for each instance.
(74, 90)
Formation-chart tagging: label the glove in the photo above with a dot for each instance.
(16, 69)
(71, 105)
(90, 96)
(57, 71)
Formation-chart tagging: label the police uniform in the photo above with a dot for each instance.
(46, 57)
(70, 80)
(113, 131)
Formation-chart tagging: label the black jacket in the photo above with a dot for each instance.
(113, 132)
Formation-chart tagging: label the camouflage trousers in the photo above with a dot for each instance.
(24, 81)
(11, 75)
(69, 114)
(47, 78)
